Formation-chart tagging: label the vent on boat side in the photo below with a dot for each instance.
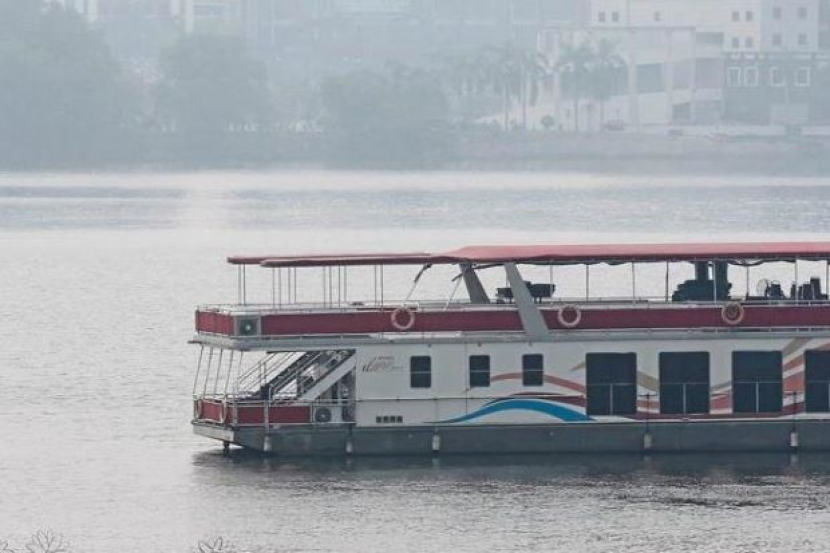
(247, 326)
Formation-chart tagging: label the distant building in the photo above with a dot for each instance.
(773, 60)
(670, 77)
(824, 25)
(213, 16)
(701, 61)
(325, 34)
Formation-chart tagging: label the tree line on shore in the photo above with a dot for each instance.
(65, 100)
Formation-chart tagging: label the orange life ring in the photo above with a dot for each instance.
(733, 313)
(407, 323)
(569, 316)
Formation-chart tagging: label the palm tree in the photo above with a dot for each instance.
(574, 68)
(605, 74)
(505, 69)
(535, 71)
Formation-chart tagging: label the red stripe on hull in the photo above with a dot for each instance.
(369, 322)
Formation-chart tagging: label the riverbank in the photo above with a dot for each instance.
(477, 150)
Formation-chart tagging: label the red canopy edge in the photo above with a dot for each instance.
(564, 254)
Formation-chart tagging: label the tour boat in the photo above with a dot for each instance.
(713, 347)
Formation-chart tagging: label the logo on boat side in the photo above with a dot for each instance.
(379, 364)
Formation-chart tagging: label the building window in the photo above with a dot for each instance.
(802, 12)
(601, 17)
(817, 381)
(776, 12)
(533, 370)
(684, 383)
(615, 17)
(802, 39)
(776, 77)
(750, 16)
(803, 76)
(757, 385)
(751, 76)
(479, 371)
(736, 16)
(733, 77)
(736, 42)
(420, 371)
(777, 40)
(611, 380)
(749, 42)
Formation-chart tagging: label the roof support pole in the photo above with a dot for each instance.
(207, 371)
(633, 282)
(587, 282)
(198, 369)
(667, 280)
(218, 370)
(797, 288)
(475, 290)
(532, 321)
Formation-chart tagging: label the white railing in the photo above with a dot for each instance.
(438, 305)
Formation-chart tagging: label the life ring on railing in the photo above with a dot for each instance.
(322, 415)
(569, 316)
(733, 313)
(403, 318)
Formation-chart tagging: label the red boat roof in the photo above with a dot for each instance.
(563, 254)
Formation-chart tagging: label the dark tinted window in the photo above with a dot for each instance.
(684, 382)
(817, 381)
(611, 380)
(533, 370)
(479, 371)
(420, 372)
(757, 382)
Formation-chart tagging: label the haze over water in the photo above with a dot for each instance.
(98, 281)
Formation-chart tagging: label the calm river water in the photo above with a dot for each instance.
(99, 275)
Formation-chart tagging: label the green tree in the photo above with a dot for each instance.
(62, 98)
(606, 74)
(574, 67)
(398, 115)
(210, 84)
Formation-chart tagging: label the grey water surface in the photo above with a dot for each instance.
(99, 276)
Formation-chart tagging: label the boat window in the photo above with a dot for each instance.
(684, 382)
(611, 380)
(533, 369)
(817, 381)
(479, 371)
(757, 382)
(420, 371)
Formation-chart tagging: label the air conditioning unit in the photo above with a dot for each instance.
(326, 415)
(248, 326)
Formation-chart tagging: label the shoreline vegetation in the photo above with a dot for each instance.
(67, 104)
(518, 150)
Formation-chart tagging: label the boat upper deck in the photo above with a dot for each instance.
(703, 301)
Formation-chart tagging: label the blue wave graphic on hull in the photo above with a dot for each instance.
(546, 407)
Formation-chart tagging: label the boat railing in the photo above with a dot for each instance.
(252, 412)
(438, 305)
